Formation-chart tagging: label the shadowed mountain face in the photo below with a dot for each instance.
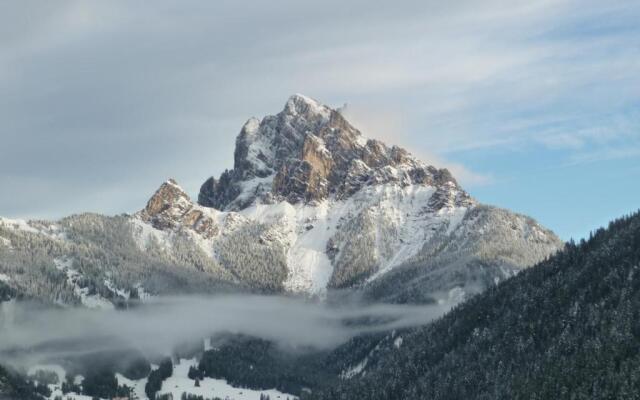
(311, 205)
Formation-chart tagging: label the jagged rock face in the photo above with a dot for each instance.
(170, 208)
(308, 152)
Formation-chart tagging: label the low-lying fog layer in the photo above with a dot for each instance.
(36, 333)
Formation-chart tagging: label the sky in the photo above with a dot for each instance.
(534, 106)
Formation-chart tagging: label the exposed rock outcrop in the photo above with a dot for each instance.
(170, 208)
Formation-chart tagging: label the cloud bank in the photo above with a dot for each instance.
(32, 334)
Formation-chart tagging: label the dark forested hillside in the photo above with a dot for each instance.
(566, 328)
(13, 387)
(259, 364)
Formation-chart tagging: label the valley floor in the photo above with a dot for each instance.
(175, 385)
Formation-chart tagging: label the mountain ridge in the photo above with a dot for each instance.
(311, 206)
(308, 159)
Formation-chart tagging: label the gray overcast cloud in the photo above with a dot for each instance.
(102, 101)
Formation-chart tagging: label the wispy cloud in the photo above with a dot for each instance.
(606, 153)
(389, 126)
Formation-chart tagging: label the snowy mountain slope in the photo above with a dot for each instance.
(487, 246)
(332, 209)
(310, 205)
(98, 261)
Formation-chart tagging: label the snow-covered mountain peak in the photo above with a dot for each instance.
(309, 152)
(311, 204)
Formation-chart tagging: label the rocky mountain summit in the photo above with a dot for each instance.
(310, 206)
(309, 152)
